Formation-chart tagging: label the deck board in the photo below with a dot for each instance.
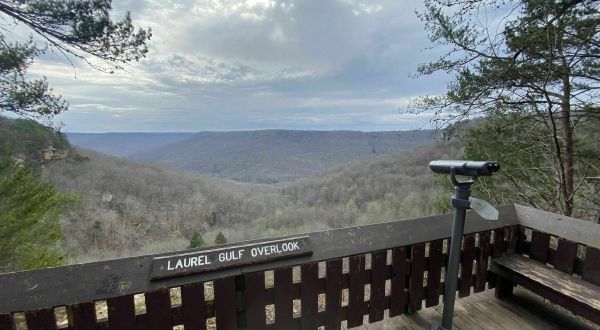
(483, 311)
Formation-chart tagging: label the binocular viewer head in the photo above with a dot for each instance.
(464, 167)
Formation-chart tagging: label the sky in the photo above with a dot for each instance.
(256, 64)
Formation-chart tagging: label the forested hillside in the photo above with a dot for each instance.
(131, 209)
(126, 208)
(279, 155)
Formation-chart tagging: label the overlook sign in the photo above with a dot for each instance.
(201, 261)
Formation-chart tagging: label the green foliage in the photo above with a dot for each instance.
(220, 239)
(522, 145)
(82, 29)
(29, 219)
(25, 139)
(196, 241)
(536, 67)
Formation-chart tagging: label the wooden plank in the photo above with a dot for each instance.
(417, 268)
(42, 319)
(540, 243)
(225, 303)
(309, 291)
(400, 268)
(591, 266)
(582, 231)
(333, 294)
(498, 249)
(6, 322)
(482, 263)
(566, 253)
(574, 294)
(466, 265)
(194, 306)
(284, 309)
(105, 279)
(158, 310)
(82, 316)
(121, 312)
(255, 300)
(356, 291)
(377, 300)
(434, 272)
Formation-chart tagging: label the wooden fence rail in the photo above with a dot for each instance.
(352, 273)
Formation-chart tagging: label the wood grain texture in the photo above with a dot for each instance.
(284, 311)
(309, 295)
(194, 306)
(158, 310)
(591, 266)
(566, 253)
(400, 270)
(434, 272)
(121, 313)
(572, 293)
(417, 268)
(482, 261)
(466, 265)
(82, 316)
(540, 243)
(333, 294)
(101, 280)
(225, 303)
(377, 301)
(6, 322)
(356, 290)
(42, 319)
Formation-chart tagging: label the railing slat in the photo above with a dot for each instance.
(434, 273)
(333, 294)
(41, 319)
(540, 243)
(82, 316)
(309, 295)
(284, 308)
(158, 310)
(399, 275)
(225, 303)
(194, 306)
(566, 253)
(377, 301)
(591, 266)
(255, 300)
(7, 322)
(417, 267)
(121, 312)
(466, 266)
(497, 250)
(356, 291)
(482, 261)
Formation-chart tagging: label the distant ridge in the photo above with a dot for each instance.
(270, 156)
(123, 144)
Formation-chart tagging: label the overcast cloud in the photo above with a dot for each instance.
(256, 64)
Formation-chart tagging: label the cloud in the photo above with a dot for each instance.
(235, 64)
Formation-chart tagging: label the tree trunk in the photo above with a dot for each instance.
(567, 135)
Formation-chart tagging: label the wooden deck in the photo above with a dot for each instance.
(483, 311)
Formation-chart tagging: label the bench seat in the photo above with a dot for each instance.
(570, 292)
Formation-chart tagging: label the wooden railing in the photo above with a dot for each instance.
(352, 272)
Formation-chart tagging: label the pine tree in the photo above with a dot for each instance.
(29, 219)
(196, 241)
(220, 239)
(536, 61)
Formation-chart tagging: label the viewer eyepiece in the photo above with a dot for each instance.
(465, 167)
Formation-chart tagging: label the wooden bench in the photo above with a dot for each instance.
(573, 293)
